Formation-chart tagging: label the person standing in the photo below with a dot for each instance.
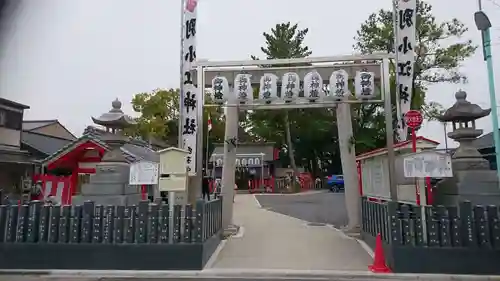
(205, 187)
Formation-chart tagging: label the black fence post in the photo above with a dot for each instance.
(432, 227)
(3, 221)
(10, 232)
(455, 224)
(64, 224)
(418, 225)
(405, 224)
(164, 223)
(177, 224)
(43, 225)
(87, 216)
(76, 222)
(33, 221)
(141, 231)
(108, 229)
(494, 226)
(55, 215)
(219, 214)
(119, 224)
(188, 223)
(395, 223)
(469, 237)
(444, 221)
(153, 223)
(129, 224)
(97, 225)
(22, 221)
(199, 227)
(481, 223)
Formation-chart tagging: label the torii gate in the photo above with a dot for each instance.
(367, 70)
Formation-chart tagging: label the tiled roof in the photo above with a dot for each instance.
(133, 151)
(249, 148)
(46, 144)
(485, 141)
(29, 125)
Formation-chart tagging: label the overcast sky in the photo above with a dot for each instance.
(68, 59)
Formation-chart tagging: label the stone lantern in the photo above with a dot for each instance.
(110, 183)
(115, 121)
(472, 178)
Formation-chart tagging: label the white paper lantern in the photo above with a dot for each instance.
(268, 87)
(339, 85)
(290, 86)
(364, 83)
(243, 88)
(220, 89)
(313, 86)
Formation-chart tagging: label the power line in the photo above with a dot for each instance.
(494, 3)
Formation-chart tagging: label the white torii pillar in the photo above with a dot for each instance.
(348, 160)
(229, 165)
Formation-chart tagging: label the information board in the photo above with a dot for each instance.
(143, 173)
(428, 164)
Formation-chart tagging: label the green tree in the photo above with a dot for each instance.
(284, 41)
(159, 118)
(159, 113)
(440, 50)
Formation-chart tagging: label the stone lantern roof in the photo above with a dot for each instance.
(463, 110)
(115, 119)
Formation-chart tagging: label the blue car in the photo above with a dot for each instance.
(335, 183)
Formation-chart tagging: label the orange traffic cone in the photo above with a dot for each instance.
(379, 265)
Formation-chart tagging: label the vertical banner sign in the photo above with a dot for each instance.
(191, 99)
(406, 12)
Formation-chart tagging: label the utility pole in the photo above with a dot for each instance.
(483, 24)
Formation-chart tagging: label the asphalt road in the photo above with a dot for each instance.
(327, 208)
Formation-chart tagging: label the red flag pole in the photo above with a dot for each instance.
(414, 149)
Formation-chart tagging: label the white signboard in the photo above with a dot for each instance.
(191, 99)
(428, 164)
(406, 13)
(143, 173)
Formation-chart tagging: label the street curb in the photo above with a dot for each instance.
(245, 274)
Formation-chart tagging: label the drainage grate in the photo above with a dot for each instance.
(316, 224)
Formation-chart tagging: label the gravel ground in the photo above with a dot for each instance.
(324, 207)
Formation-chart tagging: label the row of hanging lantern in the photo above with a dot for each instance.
(313, 87)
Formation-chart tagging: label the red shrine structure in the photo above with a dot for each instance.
(65, 171)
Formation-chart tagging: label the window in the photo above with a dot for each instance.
(14, 120)
(2, 118)
(11, 119)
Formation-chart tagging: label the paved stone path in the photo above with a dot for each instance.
(275, 241)
(314, 206)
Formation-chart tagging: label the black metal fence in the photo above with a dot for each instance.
(461, 226)
(437, 236)
(95, 237)
(90, 223)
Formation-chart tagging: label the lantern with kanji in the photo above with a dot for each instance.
(364, 85)
(268, 87)
(220, 89)
(339, 85)
(243, 88)
(313, 86)
(290, 87)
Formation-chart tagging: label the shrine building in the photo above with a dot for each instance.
(71, 166)
(257, 158)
